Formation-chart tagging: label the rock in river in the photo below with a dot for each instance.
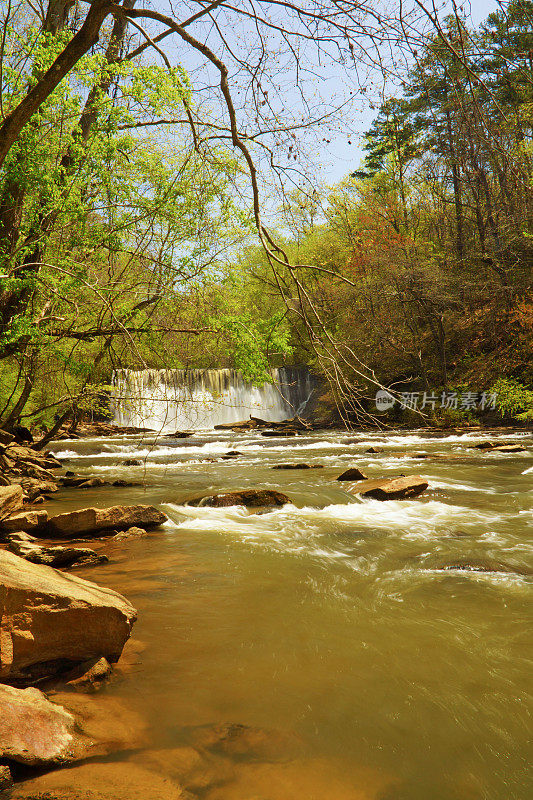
(251, 498)
(37, 732)
(90, 521)
(26, 521)
(353, 474)
(402, 488)
(49, 621)
(28, 547)
(299, 465)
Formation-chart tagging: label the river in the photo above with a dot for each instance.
(332, 618)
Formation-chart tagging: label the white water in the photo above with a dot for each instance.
(170, 400)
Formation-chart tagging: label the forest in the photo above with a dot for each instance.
(140, 227)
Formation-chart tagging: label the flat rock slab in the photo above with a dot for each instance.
(11, 499)
(353, 474)
(251, 498)
(50, 621)
(93, 520)
(27, 521)
(402, 488)
(26, 546)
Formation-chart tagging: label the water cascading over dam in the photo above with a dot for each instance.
(179, 399)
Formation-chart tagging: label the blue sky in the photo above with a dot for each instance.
(339, 157)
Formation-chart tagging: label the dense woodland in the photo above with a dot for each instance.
(128, 236)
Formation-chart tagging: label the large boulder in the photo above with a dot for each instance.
(50, 621)
(89, 521)
(251, 498)
(11, 499)
(402, 488)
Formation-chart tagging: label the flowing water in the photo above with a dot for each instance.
(332, 618)
(168, 400)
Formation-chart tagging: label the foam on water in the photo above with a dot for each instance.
(413, 518)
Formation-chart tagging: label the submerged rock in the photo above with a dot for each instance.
(353, 474)
(484, 565)
(49, 621)
(246, 742)
(251, 498)
(89, 521)
(298, 466)
(28, 547)
(102, 781)
(132, 462)
(88, 676)
(402, 488)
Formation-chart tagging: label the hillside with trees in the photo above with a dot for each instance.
(129, 213)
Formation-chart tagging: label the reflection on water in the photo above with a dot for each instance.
(390, 638)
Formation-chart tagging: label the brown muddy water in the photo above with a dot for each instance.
(332, 618)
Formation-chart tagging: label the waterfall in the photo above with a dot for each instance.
(177, 399)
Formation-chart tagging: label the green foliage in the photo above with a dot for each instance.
(513, 399)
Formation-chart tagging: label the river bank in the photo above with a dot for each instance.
(299, 625)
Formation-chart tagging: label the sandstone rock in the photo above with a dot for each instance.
(508, 448)
(27, 547)
(178, 435)
(38, 732)
(27, 521)
(19, 453)
(402, 488)
(36, 487)
(195, 771)
(372, 450)
(89, 521)
(5, 437)
(50, 621)
(298, 466)
(90, 482)
(11, 499)
(101, 781)
(89, 676)
(353, 474)
(127, 534)
(35, 731)
(251, 498)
